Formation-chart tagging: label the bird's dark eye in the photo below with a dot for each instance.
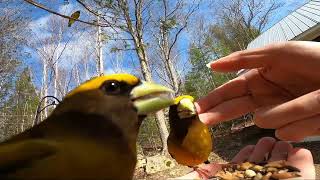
(111, 87)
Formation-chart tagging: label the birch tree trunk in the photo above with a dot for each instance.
(55, 81)
(136, 32)
(86, 71)
(77, 75)
(55, 65)
(45, 87)
(100, 68)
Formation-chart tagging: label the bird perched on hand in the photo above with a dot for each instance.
(90, 135)
(74, 15)
(189, 141)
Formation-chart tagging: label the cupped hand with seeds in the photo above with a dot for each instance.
(268, 150)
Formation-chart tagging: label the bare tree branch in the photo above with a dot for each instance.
(264, 18)
(125, 49)
(191, 11)
(88, 8)
(96, 13)
(61, 15)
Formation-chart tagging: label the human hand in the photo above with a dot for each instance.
(282, 89)
(276, 150)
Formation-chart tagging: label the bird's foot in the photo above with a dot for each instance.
(203, 173)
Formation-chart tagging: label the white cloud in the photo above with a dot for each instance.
(77, 46)
(77, 43)
(37, 25)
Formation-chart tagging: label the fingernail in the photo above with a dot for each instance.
(197, 107)
(209, 65)
(276, 133)
(201, 119)
(205, 120)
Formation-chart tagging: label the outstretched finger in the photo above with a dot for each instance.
(303, 107)
(275, 54)
(228, 110)
(238, 61)
(247, 59)
(232, 89)
(305, 127)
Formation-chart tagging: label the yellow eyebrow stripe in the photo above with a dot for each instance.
(96, 82)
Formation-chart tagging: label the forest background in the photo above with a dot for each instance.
(167, 41)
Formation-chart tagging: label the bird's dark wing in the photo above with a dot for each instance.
(177, 126)
(19, 154)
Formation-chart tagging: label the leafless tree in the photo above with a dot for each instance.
(50, 50)
(169, 22)
(240, 21)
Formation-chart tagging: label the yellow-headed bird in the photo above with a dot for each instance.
(90, 135)
(189, 141)
(74, 15)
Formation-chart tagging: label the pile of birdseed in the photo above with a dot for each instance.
(264, 171)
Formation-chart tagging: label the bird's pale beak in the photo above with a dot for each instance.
(150, 97)
(186, 109)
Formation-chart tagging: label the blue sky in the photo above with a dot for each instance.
(126, 61)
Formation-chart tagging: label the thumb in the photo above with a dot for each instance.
(302, 159)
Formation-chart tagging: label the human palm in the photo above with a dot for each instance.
(278, 150)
